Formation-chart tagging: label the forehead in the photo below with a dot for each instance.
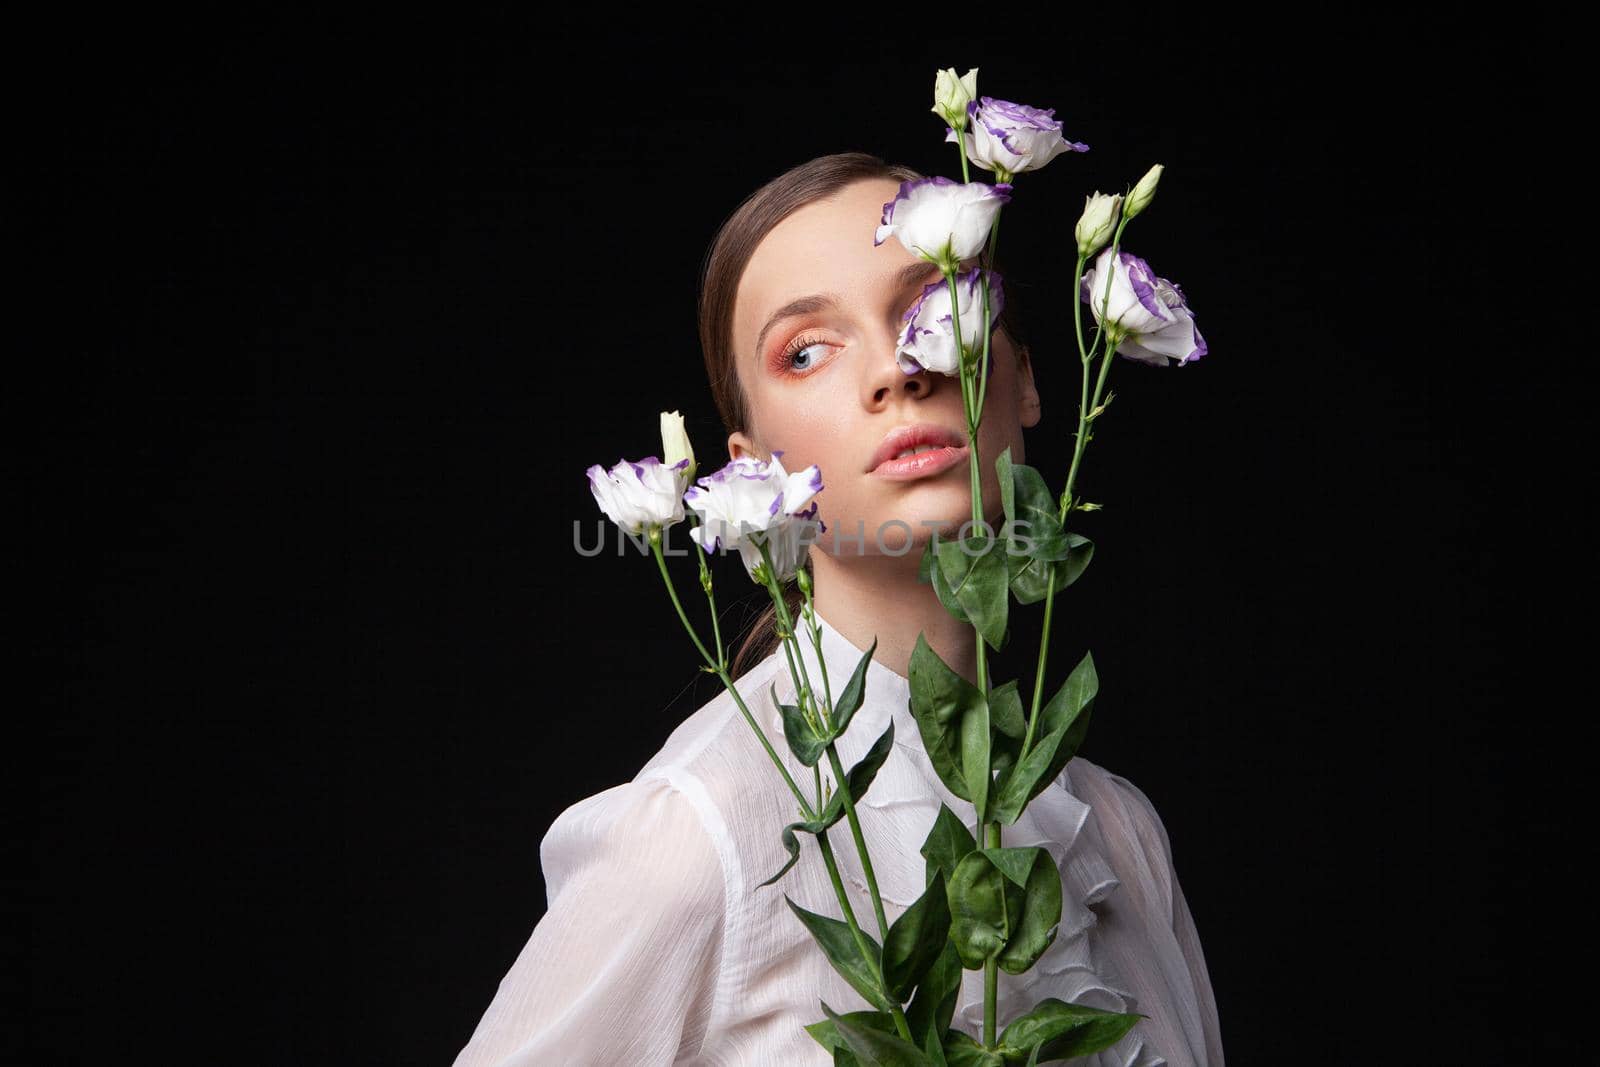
(825, 246)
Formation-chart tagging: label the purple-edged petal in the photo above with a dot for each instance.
(1010, 137)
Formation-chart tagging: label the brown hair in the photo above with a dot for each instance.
(724, 265)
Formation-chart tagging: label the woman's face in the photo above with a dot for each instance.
(823, 387)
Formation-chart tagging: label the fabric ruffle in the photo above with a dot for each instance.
(898, 811)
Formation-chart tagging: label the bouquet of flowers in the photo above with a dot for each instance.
(985, 906)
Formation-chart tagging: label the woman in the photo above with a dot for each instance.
(660, 945)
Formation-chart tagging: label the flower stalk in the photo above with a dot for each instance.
(985, 906)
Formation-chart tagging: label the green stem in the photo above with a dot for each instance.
(842, 784)
(841, 779)
(989, 831)
(1086, 408)
(721, 670)
(716, 624)
(655, 548)
(816, 643)
(988, 326)
(974, 462)
(991, 972)
(791, 644)
(873, 963)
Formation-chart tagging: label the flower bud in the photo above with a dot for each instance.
(1144, 192)
(675, 444)
(1099, 219)
(951, 95)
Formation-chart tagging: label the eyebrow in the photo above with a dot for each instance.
(905, 277)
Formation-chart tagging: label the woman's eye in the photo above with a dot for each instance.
(799, 357)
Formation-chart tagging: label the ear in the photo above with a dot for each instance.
(742, 444)
(1028, 410)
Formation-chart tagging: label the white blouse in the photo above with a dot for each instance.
(660, 946)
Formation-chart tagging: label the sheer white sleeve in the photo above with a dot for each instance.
(623, 966)
(1189, 941)
(1158, 847)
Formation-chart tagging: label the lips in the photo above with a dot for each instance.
(904, 437)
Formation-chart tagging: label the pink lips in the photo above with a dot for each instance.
(922, 464)
(952, 450)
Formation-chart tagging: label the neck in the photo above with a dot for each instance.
(878, 596)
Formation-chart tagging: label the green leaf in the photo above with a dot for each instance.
(915, 940)
(934, 1005)
(947, 843)
(811, 826)
(839, 945)
(962, 1050)
(1005, 479)
(1063, 725)
(940, 700)
(1029, 576)
(1005, 903)
(1003, 755)
(873, 1047)
(976, 571)
(981, 898)
(861, 775)
(1014, 863)
(1016, 787)
(1070, 710)
(1058, 1030)
(941, 586)
(1035, 531)
(1005, 710)
(826, 1032)
(1034, 928)
(975, 743)
(850, 696)
(804, 742)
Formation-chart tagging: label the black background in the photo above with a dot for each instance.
(352, 304)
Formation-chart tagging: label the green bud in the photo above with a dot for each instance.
(951, 95)
(1099, 218)
(1144, 192)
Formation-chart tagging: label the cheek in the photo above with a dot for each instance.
(809, 429)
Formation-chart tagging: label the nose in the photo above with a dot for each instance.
(886, 381)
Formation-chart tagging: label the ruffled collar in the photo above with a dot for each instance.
(904, 800)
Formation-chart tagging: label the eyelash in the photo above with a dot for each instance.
(798, 345)
(794, 348)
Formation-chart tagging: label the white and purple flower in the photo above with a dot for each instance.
(1009, 138)
(1146, 316)
(750, 502)
(929, 341)
(638, 495)
(942, 221)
